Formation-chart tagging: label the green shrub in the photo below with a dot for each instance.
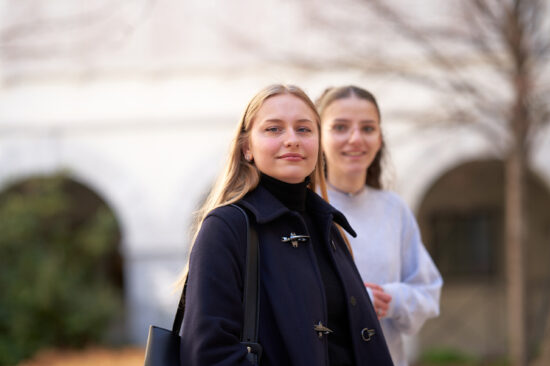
(55, 289)
(447, 356)
(453, 357)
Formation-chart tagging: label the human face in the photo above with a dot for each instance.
(351, 138)
(284, 139)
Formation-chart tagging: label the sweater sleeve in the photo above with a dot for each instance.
(416, 297)
(214, 312)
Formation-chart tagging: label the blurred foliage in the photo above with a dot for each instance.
(55, 289)
(452, 357)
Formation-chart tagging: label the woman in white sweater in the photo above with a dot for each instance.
(399, 274)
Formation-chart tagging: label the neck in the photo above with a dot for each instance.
(347, 183)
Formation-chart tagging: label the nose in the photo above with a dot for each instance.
(355, 135)
(291, 138)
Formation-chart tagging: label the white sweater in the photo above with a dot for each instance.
(389, 252)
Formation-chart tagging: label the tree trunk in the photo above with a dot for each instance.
(515, 214)
(516, 293)
(543, 358)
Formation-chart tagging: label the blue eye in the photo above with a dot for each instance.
(272, 129)
(304, 129)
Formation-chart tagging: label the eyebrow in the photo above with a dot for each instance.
(280, 120)
(364, 121)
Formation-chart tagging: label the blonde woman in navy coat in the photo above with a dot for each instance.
(314, 309)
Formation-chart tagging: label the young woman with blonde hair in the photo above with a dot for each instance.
(314, 309)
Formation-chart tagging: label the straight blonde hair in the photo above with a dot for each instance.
(240, 176)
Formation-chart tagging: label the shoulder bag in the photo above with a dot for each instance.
(163, 345)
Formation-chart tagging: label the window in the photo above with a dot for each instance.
(465, 244)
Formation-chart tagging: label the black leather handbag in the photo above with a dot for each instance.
(163, 345)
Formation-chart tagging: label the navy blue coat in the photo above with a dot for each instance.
(292, 296)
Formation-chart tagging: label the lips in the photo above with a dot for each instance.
(291, 157)
(353, 153)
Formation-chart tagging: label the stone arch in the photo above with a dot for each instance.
(461, 219)
(432, 155)
(45, 155)
(112, 183)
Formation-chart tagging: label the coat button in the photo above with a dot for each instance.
(321, 329)
(353, 301)
(367, 334)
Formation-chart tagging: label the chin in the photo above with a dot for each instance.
(359, 167)
(356, 170)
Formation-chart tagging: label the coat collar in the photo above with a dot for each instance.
(265, 208)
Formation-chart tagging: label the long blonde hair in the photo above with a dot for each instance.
(240, 176)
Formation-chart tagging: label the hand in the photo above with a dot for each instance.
(381, 299)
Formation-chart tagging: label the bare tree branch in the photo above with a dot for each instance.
(103, 27)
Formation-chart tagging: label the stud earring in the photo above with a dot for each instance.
(248, 156)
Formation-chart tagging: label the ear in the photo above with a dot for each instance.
(246, 152)
(380, 141)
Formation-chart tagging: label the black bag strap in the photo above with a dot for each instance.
(251, 296)
(178, 320)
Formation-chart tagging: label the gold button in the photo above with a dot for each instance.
(367, 334)
(353, 301)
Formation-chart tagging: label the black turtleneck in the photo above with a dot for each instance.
(293, 196)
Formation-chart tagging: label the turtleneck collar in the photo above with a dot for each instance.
(293, 196)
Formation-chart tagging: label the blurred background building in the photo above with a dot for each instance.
(134, 102)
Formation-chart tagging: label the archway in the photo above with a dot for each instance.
(461, 218)
(63, 269)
